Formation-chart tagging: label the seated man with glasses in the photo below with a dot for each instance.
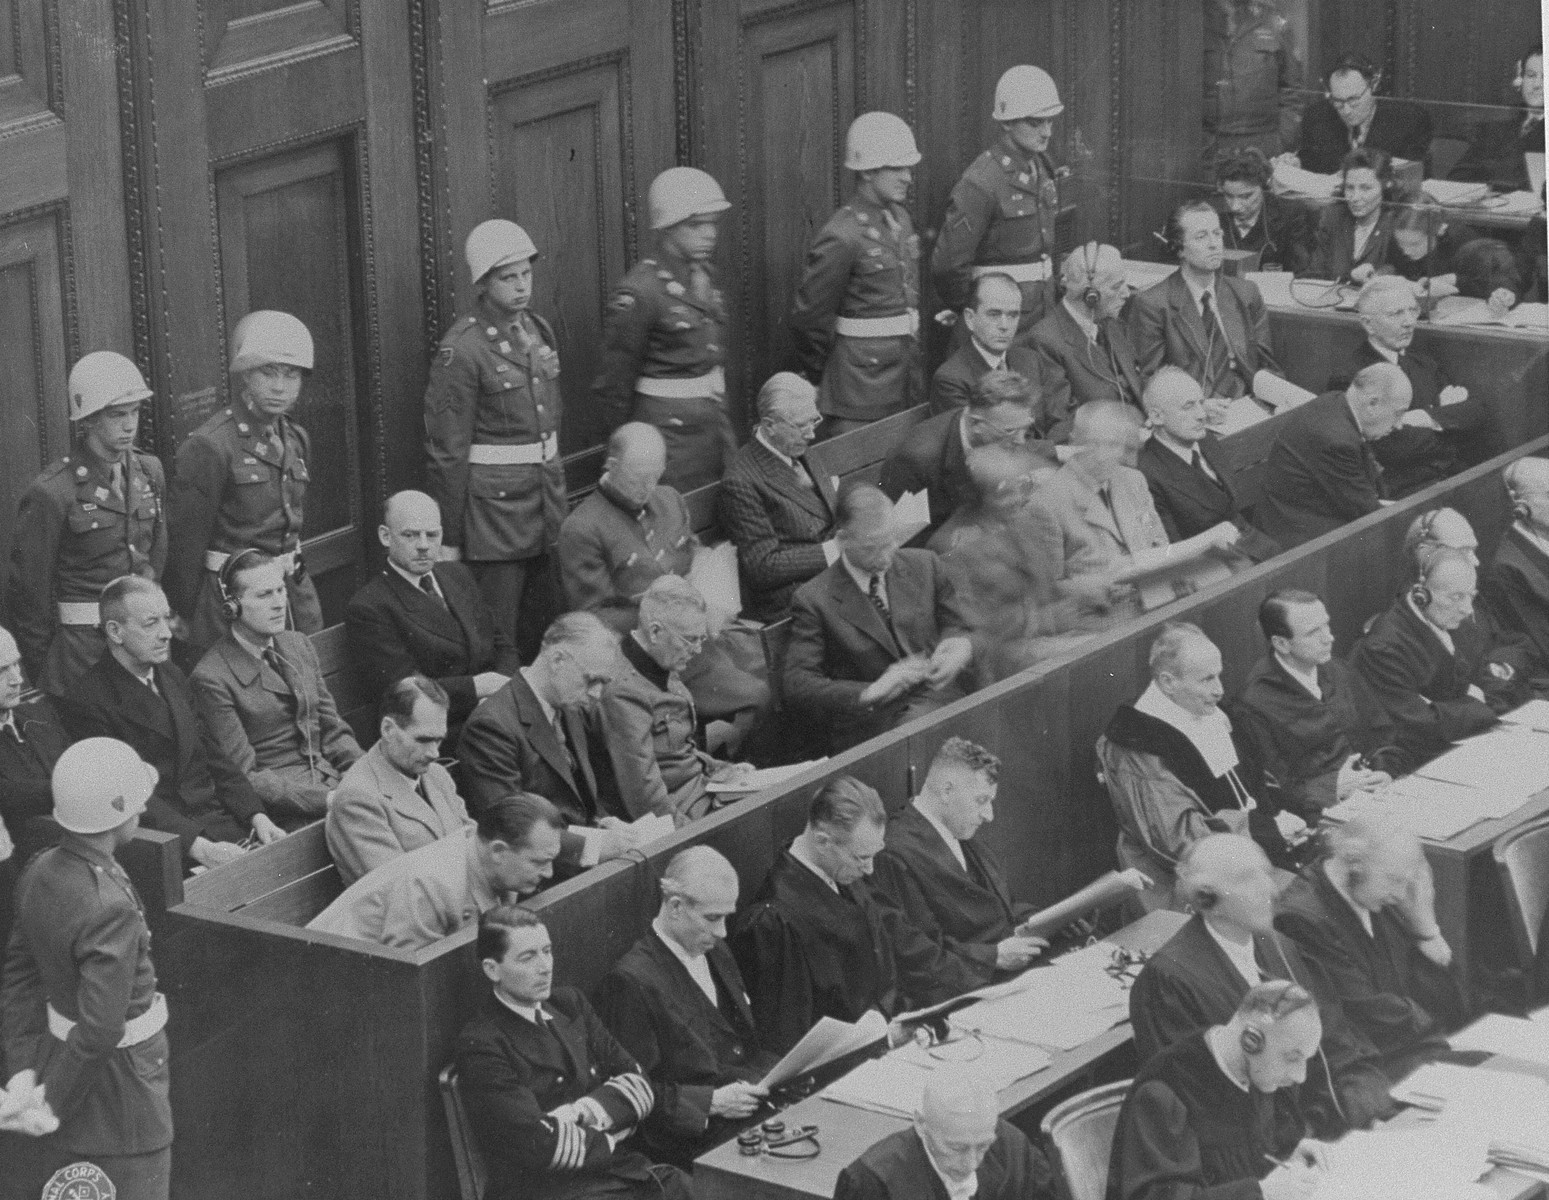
(648, 719)
(1350, 117)
(776, 509)
(1002, 408)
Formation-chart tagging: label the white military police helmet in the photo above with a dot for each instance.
(879, 139)
(98, 784)
(102, 379)
(1026, 93)
(680, 193)
(266, 337)
(496, 243)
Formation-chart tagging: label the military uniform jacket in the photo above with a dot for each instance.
(1252, 76)
(73, 536)
(81, 944)
(231, 491)
(495, 384)
(1000, 213)
(514, 1072)
(656, 327)
(609, 554)
(863, 263)
(686, 1045)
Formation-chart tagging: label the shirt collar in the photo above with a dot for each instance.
(1211, 735)
(994, 363)
(799, 853)
(954, 843)
(957, 1189)
(1242, 957)
(1184, 452)
(1308, 679)
(245, 640)
(862, 578)
(1442, 635)
(526, 1011)
(645, 664)
(9, 722)
(691, 961)
(767, 445)
(413, 579)
(548, 709)
(1215, 1053)
(1390, 355)
(1197, 290)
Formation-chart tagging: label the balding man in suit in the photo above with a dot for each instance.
(878, 637)
(421, 616)
(1321, 471)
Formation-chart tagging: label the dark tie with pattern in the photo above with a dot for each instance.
(564, 741)
(428, 586)
(874, 590)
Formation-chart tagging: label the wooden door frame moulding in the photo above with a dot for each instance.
(686, 80)
(430, 172)
(1118, 158)
(59, 212)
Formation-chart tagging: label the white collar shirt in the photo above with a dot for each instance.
(1308, 679)
(697, 965)
(955, 846)
(1241, 957)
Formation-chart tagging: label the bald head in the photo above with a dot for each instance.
(10, 671)
(1438, 530)
(1175, 403)
(637, 457)
(1378, 397)
(957, 1119)
(411, 531)
(1098, 268)
(1527, 483)
(697, 871)
(699, 891)
(1226, 879)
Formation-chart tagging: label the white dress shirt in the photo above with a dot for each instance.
(1364, 917)
(1211, 735)
(413, 580)
(957, 1189)
(863, 581)
(697, 965)
(799, 853)
(998, 363)
(955, 846)
(1308, 679)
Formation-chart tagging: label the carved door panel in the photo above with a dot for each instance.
(274, 162)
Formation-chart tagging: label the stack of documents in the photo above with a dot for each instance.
(826, 1042)
(1059, 1006)
(762, 779)
(1435, 809)
(895, 1083)
(1407, 1164)
(1510, 1111)
(1296, 181)
(1466, 310)
(1511, 763)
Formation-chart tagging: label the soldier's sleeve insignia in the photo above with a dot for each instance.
(445, 355)
(622, 302)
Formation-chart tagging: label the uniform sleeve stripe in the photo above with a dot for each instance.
(637, 1090)
(569, 1147)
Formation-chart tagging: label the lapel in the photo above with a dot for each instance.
(856, 607)
(916, 825)
(1188, 318)
(93, 489)
(422, 610)
(1089, 501)
(540, 734)
(1531, 557)
(400, 794)
(1234, 320)
(572, 1036)
(575, 725)
(1339, 909)
(729, 979)
(463, 608)
(134, 701)
(990, 872)
(783, 480)
(534, 1046)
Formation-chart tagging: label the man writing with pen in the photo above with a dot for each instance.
(1215, 1115)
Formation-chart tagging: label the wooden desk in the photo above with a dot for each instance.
(847, 1133)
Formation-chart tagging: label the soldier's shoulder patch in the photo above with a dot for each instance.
(445, 355)
(622, 301)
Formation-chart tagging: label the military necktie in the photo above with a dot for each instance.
(428, 586)
(699, 283)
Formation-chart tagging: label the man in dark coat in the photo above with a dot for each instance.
(816, 943)
(1351, 117)
(676, 1001)
(773, 506)
(944, 881)
(991, 318)
(549, 1092)
(878, 637)
(531, 736)
(135, 694)
(1497, 153)
(1364, 919)
(1440, 673)
(1230, 946)
(421, 616)
(32, 738)
(933, 456)
(1308, 723)
(1211, 1114)
(1516, 583)
(958, 1147)
(1321, 472)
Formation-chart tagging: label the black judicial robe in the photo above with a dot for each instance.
(808, 951)
(1187, 1132)
(1190, 985)
(897, 1168)
(687, 1046)
(1301, 741)
(1400, 1000)
(965, 912)
(1516, 589)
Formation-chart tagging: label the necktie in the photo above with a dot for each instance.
(1218, 354)
(150, 682)
(281, 667)
(422, 791)
(10, 727)
(699, 283)
(874, 590)
(803, 476)
(428, 586)
(564, 741)
(116, 483)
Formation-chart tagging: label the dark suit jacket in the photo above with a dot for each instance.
(199, 793)
(509, 746)
(1076, 371)
(397, 630)
(966, 912)
(1333, 250)
(1188, 501)
(1425, 689)
(1403, 130)
(1516, 588)
(1494, 156)
(897, 1168)
(1320, 474)
(1282, 235)
(25, 766)
(1165, 326)
(512, 1073)
(840, 643)
(779, 528)
(954, 379)
(687, 1046)
(1402, 1002)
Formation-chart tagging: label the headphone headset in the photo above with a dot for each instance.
(1289, 997)
(231, 606)
(1419, 593)
(1091, 297)
(1381, 166)
(1361, 65)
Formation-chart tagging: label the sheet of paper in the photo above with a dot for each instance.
(767, 777)
(892, 1084)
(651, 828)
(1468, 310)
(1404, 1164)
(1512, 1037)
(713, 572)
(1448, 191)
(1238, 415)
(1280, 394)
(911, 513)
(1184, 579)
(826, 1041)
(1534, 714)
(1510, 761)
(1141, 275)
(1274, 286)
(1289, 180)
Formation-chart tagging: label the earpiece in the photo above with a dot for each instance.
(231, 605)
(1252, 1039)
(1091, 297)
(1173, 233)
(1519, 507)
(1361, 65)
(1420, 596)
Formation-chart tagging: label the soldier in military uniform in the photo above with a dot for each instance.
(1252, 77)
(241, 481)
(856, 319)
(92, 516)
(1000, 216)
(80, 1009)
(664, 339)
(492, 413)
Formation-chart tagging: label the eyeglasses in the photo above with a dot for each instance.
(689, 641)
(1343, 102)
(806, 426)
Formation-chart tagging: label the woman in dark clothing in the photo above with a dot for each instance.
(1496, 154)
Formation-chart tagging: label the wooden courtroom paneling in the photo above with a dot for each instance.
(556, 115)
(271, 149)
